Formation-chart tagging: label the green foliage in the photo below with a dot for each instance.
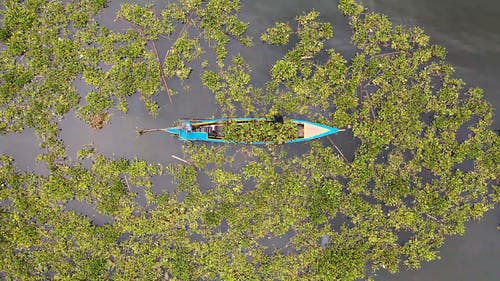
(51, 43)
(43, 233)
(38, 66)
(97, 105)
(183, 51)
(4, 34)
(350, 8)
(338, 218)
(260, 131)
(144, 18)
(219, 23)
(277, 35)
(306, 83)
(305, 88)
(344, 259)
(132, 69)
(232, 87)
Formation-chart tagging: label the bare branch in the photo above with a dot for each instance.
(338, 149)
(183, 160)
(126, 181)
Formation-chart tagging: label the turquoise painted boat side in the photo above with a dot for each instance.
(185, 134)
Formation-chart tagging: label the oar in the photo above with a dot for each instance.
(140, 132)
(195, 119)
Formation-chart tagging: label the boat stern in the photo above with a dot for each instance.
(174, 130)
(181, 130)
(185, 131)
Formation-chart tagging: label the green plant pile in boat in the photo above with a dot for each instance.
(260, 131)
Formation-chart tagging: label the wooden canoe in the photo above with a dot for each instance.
(212, 130)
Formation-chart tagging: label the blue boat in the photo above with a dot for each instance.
(212, 130)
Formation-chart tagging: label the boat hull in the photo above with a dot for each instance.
(311, 130)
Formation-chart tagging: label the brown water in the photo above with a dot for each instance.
(468, 29)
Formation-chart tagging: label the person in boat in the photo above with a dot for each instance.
(212, 131)
(187, 126)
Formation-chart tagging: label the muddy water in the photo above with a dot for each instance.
(468, 29)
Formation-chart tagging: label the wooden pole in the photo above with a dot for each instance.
(162, 73)
(338, 149)
(128, 186)
(150, 130)
(183, 160)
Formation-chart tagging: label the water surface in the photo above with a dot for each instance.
(468, 29)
